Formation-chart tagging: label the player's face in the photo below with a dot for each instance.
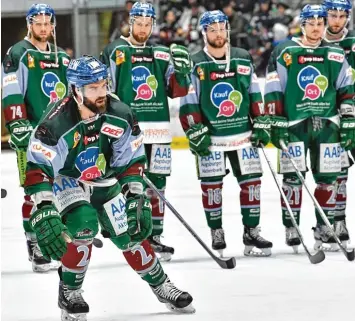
(337, 20)
(142, 28)
(41, 28)
(314, 29)
(95, 96)
(216, 34)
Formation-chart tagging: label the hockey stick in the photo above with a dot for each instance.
(350, 255)
(315, 258)
(223, 263)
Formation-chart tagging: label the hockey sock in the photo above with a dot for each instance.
(75, 263)
(212, 203)
(27, 207)
(325, 195)
(292, 188)
(250, 201)
(341, 196)
(158, 209)
(143, 260)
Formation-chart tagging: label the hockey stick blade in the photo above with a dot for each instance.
(317, 257)
(223, 263)
(350, 255)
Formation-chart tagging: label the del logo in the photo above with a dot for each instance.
(52, 87)
(310, 80)
(336, 57)
(90, 163)
(111, 130)
(243, 70)
(144, 84)
(226, 99)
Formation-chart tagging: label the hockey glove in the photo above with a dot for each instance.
(20, 133)
(199, 139)
(347, 133)
(47, 224)
(139, 218)
(181, 59)
(279, 130)
(261, 131)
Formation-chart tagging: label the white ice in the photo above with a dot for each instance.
(283, 287)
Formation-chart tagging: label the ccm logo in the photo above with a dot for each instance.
(111, 130)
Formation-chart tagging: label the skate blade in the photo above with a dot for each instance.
(73, 316)
(41, 268)
(220, 252)
(164, 257)
(326, 247)
(295, 248)
(186, 310)
(249, 251)
(54, 265)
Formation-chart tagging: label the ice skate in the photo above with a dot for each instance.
(165, 252)
(342, 232)
(174, 299)
(218, 242)
(252, 239)
(72, 304)
(292, 238)
(324, 239)
(39, 263)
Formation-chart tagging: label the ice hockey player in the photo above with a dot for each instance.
(216, 118)
(86, 160)
(308, 82)
(33, 73)
(156, 75)
(339, 15)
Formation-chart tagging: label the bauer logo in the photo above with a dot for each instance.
(52, 87)
(310, 80)
(111, 130)
(226, 99)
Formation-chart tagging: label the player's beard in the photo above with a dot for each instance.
(336, 29)
(98, 106)
(41, 38)
(140, 37)
(219, 42)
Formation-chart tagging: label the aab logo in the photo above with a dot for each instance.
(91, 164)
(310, 80)
(52, 87)
(226, 99)
(144, 84)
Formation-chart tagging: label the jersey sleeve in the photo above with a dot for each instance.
(189, 111)
(275, 84)
(345, 87)
(256, 99)
(105, 57)
(45, 157)
(128, 157)
(14, 87)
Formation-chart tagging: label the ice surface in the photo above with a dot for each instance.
(283, 287)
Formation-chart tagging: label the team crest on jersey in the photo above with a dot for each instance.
(312, 82)
(31, 61)
(91, 164)
(200, 73)
(77, 137)
(224, 97)
(120, 57)
(52, 87)
(287, 59)
(144, 83)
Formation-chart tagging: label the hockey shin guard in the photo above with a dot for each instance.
(250, 201)
(143, 260)
(212, 202)
(292, 188)
(341, 196)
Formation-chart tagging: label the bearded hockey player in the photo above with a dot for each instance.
(86, 160)
(216, 116)
(339, 15)
(33, 74)
(144, 77)
(308, 84)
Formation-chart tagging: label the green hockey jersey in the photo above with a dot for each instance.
(303, 82)
(64, 144)
(31, 79)
(144, 78)
(223, 101)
